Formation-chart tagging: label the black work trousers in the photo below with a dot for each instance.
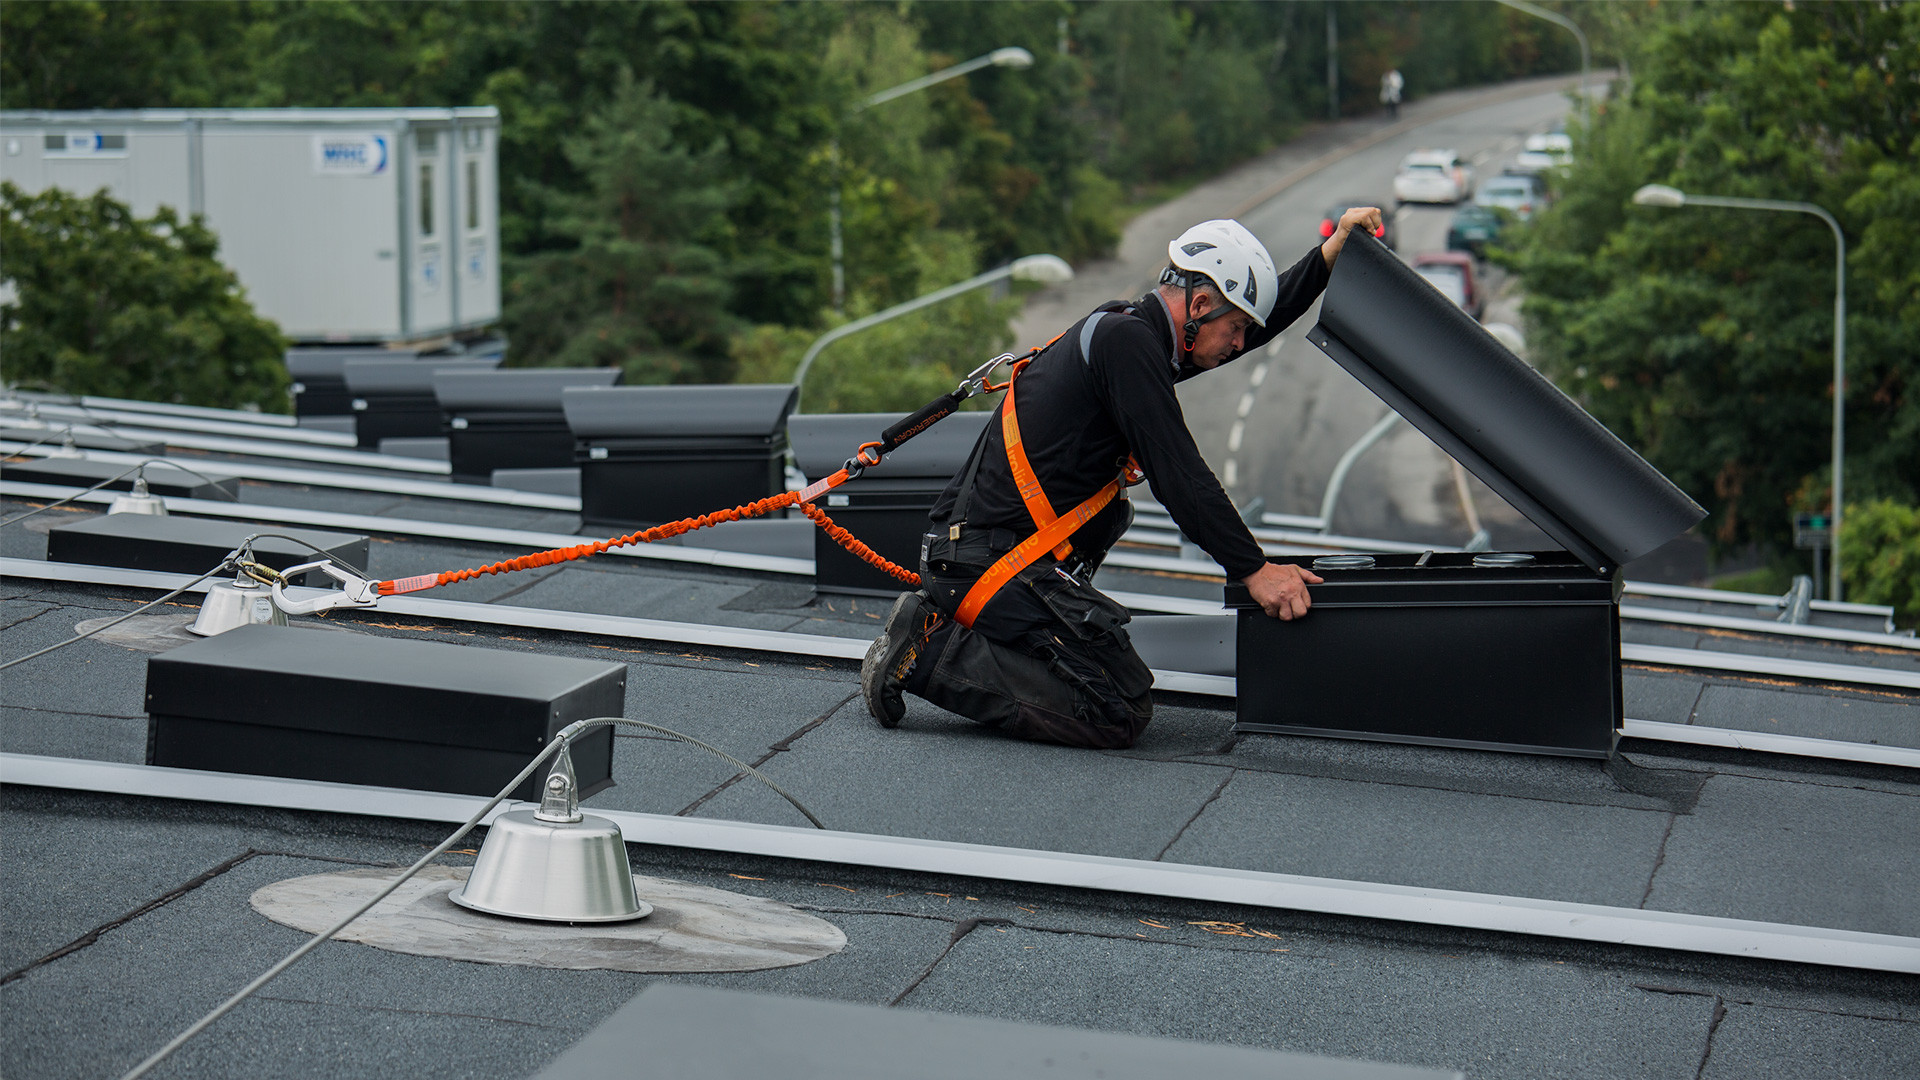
(1047, 658)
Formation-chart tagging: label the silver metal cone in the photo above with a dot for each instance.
(230, 605)
(553, 871)
(138, 501)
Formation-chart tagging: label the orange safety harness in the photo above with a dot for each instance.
(1052, 535)
(1053, 530)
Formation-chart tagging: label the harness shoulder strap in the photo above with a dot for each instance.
(1024, 479)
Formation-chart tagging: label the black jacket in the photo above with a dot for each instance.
(1081, 420)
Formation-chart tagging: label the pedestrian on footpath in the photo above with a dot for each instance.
(1390, 86)
(1007, 628)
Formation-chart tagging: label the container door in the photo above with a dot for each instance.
(431, 309)
(479, 213)
(305, 215)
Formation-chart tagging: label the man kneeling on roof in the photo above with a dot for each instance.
(1007, 628)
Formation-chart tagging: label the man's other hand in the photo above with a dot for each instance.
(1367, 217)
(1281, 589)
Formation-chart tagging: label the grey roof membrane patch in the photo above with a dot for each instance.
(1485, 1004)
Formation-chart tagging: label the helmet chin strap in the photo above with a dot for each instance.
(1193, 325)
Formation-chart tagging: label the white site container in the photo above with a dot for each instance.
(343, 224)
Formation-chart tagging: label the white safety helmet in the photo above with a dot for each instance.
(1234, 259)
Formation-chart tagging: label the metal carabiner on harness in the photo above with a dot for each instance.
(355, 591)
(976, 380)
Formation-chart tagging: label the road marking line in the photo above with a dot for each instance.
(1233, 472)
(1233, 437)
(1260, 370)
(1246, 405)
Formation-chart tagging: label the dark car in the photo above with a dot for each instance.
(1331, 219)
(1452, 273)
(1474, 227)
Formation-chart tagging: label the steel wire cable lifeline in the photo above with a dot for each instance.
(561, 741)
(866, 457)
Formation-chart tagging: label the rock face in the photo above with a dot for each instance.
(692, 928)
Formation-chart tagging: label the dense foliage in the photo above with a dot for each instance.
(938, 185)
(1704, 336)
(1880, 557)
(129, 307)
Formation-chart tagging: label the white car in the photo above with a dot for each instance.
(1546, 152)
(1433, 176)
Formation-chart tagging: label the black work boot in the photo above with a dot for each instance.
(892, 655)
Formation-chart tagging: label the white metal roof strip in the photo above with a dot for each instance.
(1770, 665)
(1166, 605)
(1767, 626)
(273, 449)
(823, 645)
(236, 416)
(283, 793)
(574, 622)
(1766, 742)
(1355, 899)
(477, 534)
(166, 421)
(1722, 596)
(392, 485)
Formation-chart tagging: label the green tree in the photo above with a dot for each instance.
(644, 287)
(1880, 556)
(1704, 336)
(111, 304)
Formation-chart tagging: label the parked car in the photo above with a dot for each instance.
(1452, 273)
(1331, 219)
(1474, 227)
(1522, 193)
(1545, 152)
(1433, 176)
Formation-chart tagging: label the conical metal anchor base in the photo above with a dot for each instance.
(230, 605)
(554, 864)
(553, 872)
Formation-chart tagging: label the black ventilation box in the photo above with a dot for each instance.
(184, 545)
(1500, 650)
(359, 709)
(886, 507)
(162, 479)
(652, 454)
(320, 379)
(394, 399)
(510, 419)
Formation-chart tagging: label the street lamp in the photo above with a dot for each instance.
(1585, 61)
(1044, 269)
(1673, 198)
(1011, 56)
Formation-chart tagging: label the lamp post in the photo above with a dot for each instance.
(1011, 56)
(1673, 198)
(1585, 58)
(1045, 269)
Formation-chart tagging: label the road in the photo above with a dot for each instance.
(1273, 424)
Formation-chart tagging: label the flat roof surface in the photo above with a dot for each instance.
(128, 918)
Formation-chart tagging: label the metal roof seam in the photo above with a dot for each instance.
(1358, 899)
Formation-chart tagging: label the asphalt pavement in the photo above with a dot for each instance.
(1274, 424)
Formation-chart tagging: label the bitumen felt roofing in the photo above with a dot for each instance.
(127, 917)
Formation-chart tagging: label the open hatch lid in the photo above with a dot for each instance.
(1498, 417)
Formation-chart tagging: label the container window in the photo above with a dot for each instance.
(428, 142)
(473, 195)
(83, 142)
(426, 199)
(473, 138)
